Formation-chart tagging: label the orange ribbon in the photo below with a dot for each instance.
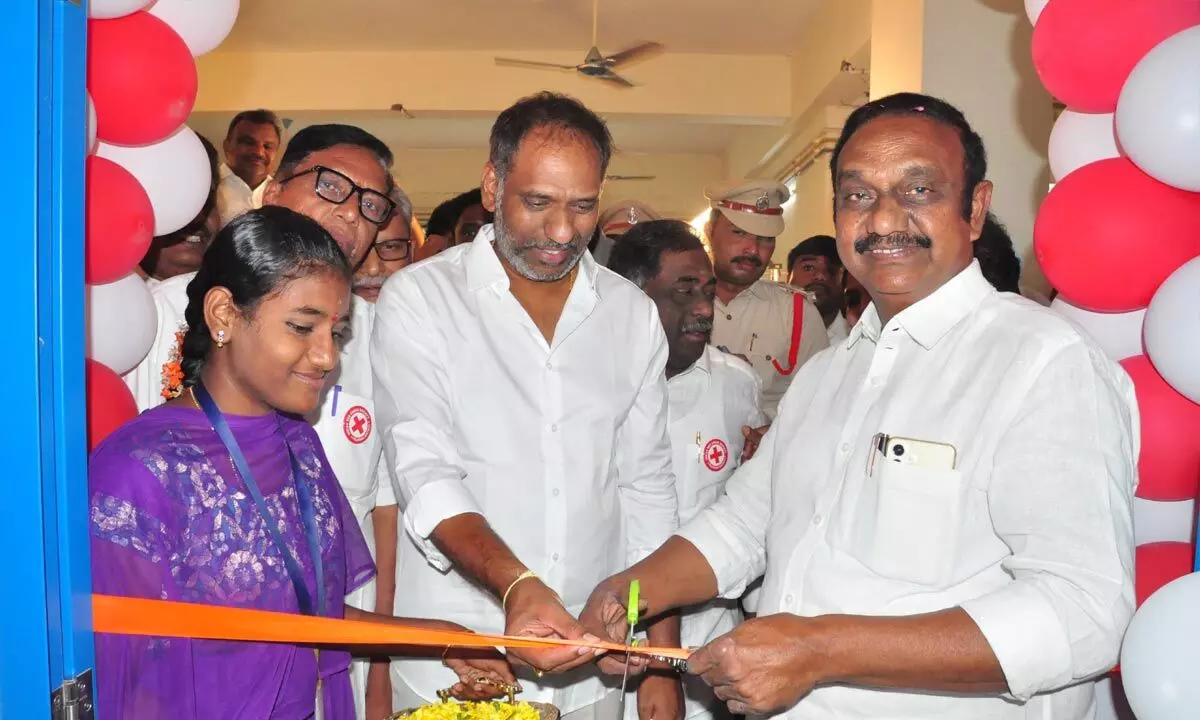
(164, 618)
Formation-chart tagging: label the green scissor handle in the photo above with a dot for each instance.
(631, 609)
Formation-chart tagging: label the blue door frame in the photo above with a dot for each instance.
(45, 615)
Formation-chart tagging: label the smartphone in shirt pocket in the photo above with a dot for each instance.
(919, 453)
(911, 510)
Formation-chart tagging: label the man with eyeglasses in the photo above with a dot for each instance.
(339, 176)
(391, 250)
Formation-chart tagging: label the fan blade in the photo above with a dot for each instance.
(512, 62)
(633, 54)
(615, 79)
(630, 177)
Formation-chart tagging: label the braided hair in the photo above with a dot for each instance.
(253, 257)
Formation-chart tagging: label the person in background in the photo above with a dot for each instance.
(221, 496)
(772, 326)
(391, 251)
(713, 400)
(454, 222)
(180, 252)
(856, 299)
(997, 259)
(471, 217)
(816, 268)
(339, 176)
(527, 478)
(615, 222)
(251, 143)
(943, 508)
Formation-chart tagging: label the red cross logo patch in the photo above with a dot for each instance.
(716, 454)
(357, 424)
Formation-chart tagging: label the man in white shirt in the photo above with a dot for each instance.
(337, 175)
(714, 399)
(523, 408)
(250, 146)
(943, 506)
(814, 267)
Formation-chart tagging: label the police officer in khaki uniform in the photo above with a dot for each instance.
(773, 326)
(615, 222)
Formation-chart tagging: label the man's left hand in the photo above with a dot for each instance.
(752, 437)
(660, 697)
(763, 666)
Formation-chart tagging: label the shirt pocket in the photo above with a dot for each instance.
(909, 523)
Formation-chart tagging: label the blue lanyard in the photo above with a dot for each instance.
(290, 562)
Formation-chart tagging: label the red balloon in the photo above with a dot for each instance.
(120, 221)
(142, 79)
(1108, 235)
(1084, 50)
(1169, 465)
(109, 403)
(1156, 564)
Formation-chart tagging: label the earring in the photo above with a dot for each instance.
(220, 339)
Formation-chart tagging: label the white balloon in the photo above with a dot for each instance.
(91, 125)
(1173, 330)
(107, 9)
(1161, 653)
(203, 24)
(121, 322)
(1080, 139)
(175, 173)
(1034, 8)
(1158, 113)
(1118, 334)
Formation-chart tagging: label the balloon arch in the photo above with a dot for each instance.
(1118, 237)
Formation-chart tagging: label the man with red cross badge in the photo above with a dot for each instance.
(713, 402)
(773, 326)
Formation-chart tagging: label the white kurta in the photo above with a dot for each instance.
(561, 446)
(345, 421)
(1030, 531)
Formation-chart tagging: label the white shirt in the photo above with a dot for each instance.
(235, 197)
(838, 330)
(1030, 533)
(562, 446)
(710, 403)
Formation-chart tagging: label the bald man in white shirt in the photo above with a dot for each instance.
(714, 400)
(522, 402)
(943, 505)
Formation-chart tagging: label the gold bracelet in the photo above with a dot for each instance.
(523, 576)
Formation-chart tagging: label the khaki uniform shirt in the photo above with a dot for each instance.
(758, 324)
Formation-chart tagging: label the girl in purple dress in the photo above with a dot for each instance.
(224, 496)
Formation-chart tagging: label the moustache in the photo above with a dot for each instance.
(869, 241)
(703, 326)
(369, 281)
(754, 260)
(575, 242)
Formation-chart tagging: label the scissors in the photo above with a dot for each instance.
(631, 614)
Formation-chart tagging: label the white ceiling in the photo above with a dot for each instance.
(723, 27)
(655, 134)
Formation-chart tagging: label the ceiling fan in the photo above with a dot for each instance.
(630, 177)
(595, 65)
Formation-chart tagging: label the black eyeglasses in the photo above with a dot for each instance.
(334, 187)
(390, 250)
